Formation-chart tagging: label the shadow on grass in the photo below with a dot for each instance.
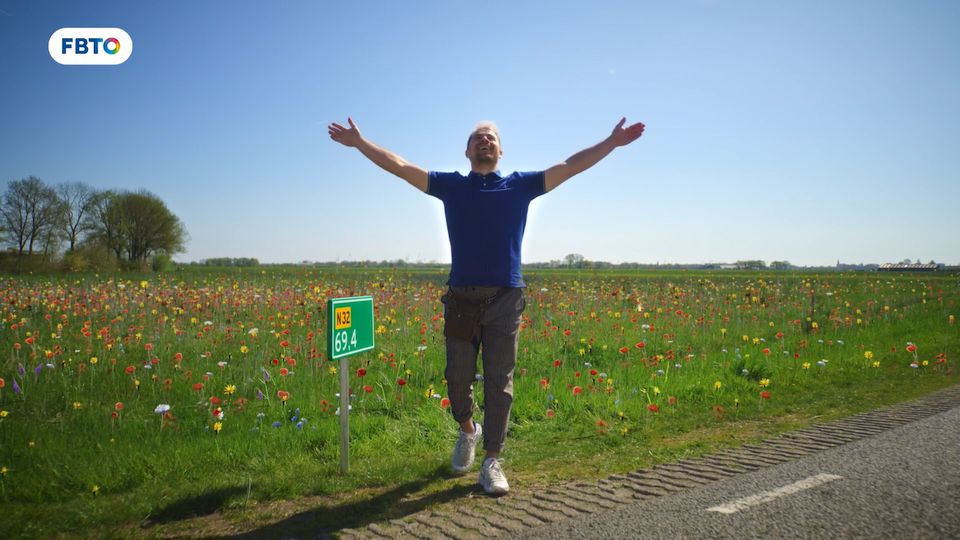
(402, 500)
(190, 507)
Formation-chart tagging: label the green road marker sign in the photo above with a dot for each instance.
(349, 331)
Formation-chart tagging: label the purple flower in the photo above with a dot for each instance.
(276, 424)
(36, 370)
(259, 394)
(16, 387)
(266, 376)
(21, 371)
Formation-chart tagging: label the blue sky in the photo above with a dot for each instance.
(809, 131)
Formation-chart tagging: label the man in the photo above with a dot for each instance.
(486, 215)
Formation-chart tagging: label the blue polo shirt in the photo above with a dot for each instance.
(486, 216)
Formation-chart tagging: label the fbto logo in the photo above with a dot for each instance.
(90, 46)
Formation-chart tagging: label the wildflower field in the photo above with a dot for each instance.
(129, 402)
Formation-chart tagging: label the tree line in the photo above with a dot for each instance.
(84, 228)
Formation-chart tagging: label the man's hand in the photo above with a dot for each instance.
(623, 136)
(416, 176)
(584, 159)
(347, 136)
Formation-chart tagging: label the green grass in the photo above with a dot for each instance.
(582, 407)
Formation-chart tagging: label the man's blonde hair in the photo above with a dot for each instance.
(485, 124)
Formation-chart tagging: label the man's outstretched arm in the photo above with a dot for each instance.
(584, 159)
(385, 159)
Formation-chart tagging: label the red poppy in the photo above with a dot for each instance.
(653, 408)
(764, 394)
(2, 382)
(198, 386)
(368, 389)
(566, 333)
(361, 372)
(130, 370)
(640, 345)
(178, 356)
(284, 343)
(444, 403)
(283, 395)
(275, 362)
(148, 346)
(114, 415)
(779, 335)
(551, 413)
(624, 350)
(402, 382)
(544, 383)
(672, 400)
(766, 351)
(556, 363)
(284, 372)
(577, 374)
(911, 348)
(118, 405)
(214, 400)
(601, 423)
(291, 361)
(577, 390)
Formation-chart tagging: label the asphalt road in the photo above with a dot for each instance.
(900, 484)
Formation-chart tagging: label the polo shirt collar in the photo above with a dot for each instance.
(495, 175)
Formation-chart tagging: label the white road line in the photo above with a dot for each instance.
(754, 500)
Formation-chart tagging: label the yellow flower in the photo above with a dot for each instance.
(95, 489)
(925, 363)
(229, 389)
(875, 364)
(624, 431)
(717, 385)
(656, 390)
(3, 414)
(582, 351)
(756, 341)
(764, 382)
(814, 325)
(868, 355)
(217, 426)
(745, 337)
(94, 360)
(244, 349)
(806, 365)
(332, 370)
(4, 471)
(723, 331)
(144, 284)
(77, 405)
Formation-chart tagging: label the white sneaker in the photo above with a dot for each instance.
(492, 478)
(465, 450)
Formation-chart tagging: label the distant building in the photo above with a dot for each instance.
(910, 267)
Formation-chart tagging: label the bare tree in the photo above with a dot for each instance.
(79, 200)
(30, 209)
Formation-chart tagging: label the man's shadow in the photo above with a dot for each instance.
(324, 520)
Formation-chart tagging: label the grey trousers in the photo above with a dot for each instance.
(495, 334)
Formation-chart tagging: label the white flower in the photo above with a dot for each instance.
(162, 408)
(253, 331)
(208, 323)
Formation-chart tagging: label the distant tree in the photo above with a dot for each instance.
(574, 260)
(106, 222)
(780, 265)
(30, 211)
(135, 226)
(79, 200)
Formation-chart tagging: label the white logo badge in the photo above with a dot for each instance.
(90, 46)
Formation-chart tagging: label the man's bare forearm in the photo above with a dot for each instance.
(393, 164)
(578, 163)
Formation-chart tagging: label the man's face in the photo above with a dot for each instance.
(484, 147)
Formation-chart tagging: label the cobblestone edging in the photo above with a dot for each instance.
(487, 517)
